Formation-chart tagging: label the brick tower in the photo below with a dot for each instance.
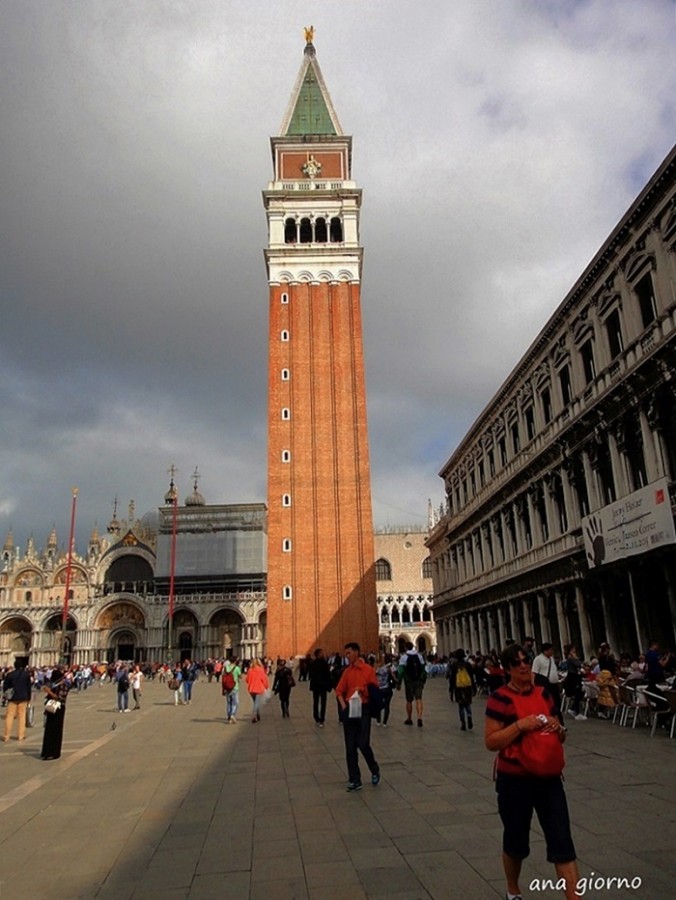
(321, 580)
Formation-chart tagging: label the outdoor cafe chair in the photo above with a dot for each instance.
(631, 699)
(657, 710)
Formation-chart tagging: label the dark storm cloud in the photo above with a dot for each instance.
(497, 145)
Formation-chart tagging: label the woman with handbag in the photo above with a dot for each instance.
(56, 690)
(523, 728)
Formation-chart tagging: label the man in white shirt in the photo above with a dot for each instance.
(546, 674)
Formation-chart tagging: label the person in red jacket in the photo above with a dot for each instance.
(257, 684)
(352, 694)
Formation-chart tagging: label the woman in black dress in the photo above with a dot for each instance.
(56, 689)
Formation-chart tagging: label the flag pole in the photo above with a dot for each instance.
(69, 568)
(172, 565)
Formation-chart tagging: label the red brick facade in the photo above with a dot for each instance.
(319, 500)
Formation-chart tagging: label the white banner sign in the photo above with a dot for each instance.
(635, 524)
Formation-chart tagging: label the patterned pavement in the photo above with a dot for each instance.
(169, 802)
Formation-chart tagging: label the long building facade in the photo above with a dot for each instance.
(119, 604)
(321, 582)
(121, 589)
(560, 499)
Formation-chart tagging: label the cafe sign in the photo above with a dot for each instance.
(639, 522)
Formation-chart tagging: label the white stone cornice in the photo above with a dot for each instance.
(284, 274)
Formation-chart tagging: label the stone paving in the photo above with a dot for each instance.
(172, 803)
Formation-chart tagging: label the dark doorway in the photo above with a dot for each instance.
(125, 652)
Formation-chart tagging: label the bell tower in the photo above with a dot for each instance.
(321, 579)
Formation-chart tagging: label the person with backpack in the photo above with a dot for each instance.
(230, 689)
(412, 674)
(462, 687)
(123, 690)
(522, 727)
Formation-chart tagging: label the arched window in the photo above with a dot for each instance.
(416, 613)
(395, 615)
(286, 456)
(305, 231)
(336, 230)
(286, 592)
(284, 336)
(405, 614)
(284, 298)
(427, 567)
(29, 597)
(286, 413)
(383, 570)
(321, 233)
(290, 231)
(286, 545)
(427, 615)
(384, 616)
(286, 499)
(285, 374)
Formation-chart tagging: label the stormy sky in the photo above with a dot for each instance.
(497, 144)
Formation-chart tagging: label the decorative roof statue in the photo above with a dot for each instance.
(309, 34)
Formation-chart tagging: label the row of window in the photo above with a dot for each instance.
(384, 569)
(544, 510)
(536, 415)
(313, 231)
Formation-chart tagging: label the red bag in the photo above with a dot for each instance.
(540, 753)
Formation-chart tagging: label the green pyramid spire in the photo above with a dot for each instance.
(310, 109)
(310, 114)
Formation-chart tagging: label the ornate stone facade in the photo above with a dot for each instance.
(404, 584)
(586, 420)
(119, 595)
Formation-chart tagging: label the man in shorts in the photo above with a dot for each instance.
(413, 674)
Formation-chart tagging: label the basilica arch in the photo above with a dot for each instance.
(185, 634)
(60, 648)
(121, 631)
(16, 639)
(225, 634)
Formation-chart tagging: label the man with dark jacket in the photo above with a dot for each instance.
(320, 685)
(19, 682)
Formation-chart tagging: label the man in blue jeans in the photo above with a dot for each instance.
(230, 689)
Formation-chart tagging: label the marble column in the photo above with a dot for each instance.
(609, 621)
(513, 621)
(619, 467)
(527, 619)
(473, 639)
(545, 630)
(653, 461)
(641, 637)
(587, 648)
(592, 484)
(564, 633)
(493, 637)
